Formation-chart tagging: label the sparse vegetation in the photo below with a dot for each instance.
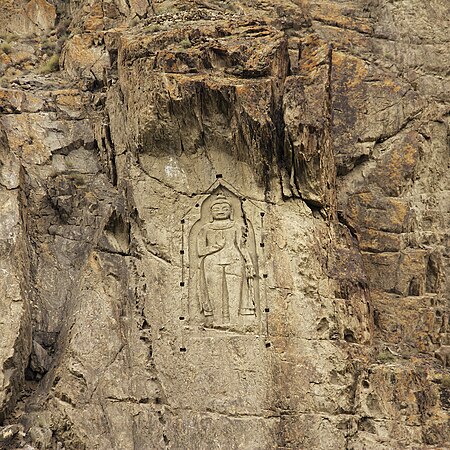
(8, 37)
(50, 65)
(385, 356)
(153, 28)
(186, 43)
(49, 45)
(63, 27)
(62, 33)
(5, 48)
(445, 381)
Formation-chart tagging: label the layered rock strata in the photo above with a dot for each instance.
(224, 225)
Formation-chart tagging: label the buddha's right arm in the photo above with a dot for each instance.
(203, 249)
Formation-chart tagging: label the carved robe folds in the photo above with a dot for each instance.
(223, 262)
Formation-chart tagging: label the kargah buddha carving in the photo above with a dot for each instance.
(223, 261)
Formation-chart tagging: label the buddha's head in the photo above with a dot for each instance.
(221, 208)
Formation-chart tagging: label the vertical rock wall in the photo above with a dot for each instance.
(309, 309)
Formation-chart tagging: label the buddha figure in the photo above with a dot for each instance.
(226, 271)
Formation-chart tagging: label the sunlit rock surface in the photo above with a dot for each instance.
(224, 225)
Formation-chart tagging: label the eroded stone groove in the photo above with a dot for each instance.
(224, 225)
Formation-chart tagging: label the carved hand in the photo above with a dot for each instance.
(220, 242)
(213, 248)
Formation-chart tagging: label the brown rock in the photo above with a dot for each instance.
(225, 225)
(41, 13)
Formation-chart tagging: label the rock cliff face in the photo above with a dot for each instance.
(224, 224)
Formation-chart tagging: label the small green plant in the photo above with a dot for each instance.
(186, 43)
(153, 28)
(445, 381)
(5, 48)
(385, 356)
(49, 66)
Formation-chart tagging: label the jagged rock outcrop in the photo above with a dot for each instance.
(224, 225)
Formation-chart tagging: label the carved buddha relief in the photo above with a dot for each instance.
(224, 280)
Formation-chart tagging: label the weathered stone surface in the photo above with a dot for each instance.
(24, 17)
(225, 225)
(41, 13)
(83, 57)
(15, 320)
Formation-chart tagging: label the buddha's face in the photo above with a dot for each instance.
(221, 211)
